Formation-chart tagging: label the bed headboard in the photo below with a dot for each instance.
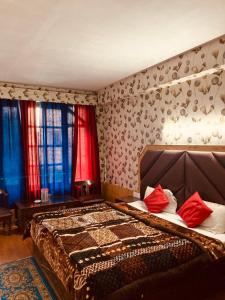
(184, 170)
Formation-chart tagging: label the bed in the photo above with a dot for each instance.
(118, 251)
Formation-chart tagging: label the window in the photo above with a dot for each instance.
(55, 134)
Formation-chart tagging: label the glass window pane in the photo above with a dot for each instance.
(58, 155)
(58, 136)
(50, 136)
(50, 155)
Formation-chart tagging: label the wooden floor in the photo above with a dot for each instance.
(13, 247)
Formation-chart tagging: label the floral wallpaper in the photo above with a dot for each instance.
(180, 101)
(38, 93)
(201, 59)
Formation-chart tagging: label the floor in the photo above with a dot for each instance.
(13, 247)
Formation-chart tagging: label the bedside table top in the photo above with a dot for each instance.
(53, 201)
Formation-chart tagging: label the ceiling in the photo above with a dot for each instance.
(90, 44)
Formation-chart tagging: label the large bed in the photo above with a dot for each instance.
(120, 251)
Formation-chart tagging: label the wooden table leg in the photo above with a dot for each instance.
(9, 225)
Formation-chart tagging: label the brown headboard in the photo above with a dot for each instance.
(184, 170)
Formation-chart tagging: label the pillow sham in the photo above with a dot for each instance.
(216, 221)
(172, 205)
(157, 200)
(194, 211)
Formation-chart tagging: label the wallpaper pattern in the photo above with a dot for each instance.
(200, 59)
(176, 109)
(38, 93)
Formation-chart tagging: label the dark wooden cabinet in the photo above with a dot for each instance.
(25, 211)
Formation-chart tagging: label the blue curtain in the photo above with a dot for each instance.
(11, 167)
(55, 146)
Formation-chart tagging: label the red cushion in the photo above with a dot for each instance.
(194, 211)
(157, 200)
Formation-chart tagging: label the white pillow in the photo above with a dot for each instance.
(216, 221)
(172, 206)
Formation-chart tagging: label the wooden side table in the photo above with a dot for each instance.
(25, 211)
(127, 199)
(6, 218)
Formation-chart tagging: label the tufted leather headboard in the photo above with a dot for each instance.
(184, 170)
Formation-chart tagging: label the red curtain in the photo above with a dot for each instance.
(86, 152)
(30, 150)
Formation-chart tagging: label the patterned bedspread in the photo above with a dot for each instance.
(104, 247)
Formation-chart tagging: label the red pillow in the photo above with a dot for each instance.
(157, 200)
(194, 211)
